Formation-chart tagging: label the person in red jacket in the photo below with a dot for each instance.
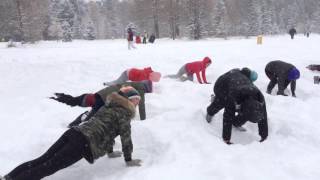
(135, 74)
(193, 68)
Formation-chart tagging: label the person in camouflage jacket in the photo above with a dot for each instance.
(96, 100)
(90, 140)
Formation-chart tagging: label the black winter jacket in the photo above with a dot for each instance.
(232, 89)
(278, 71)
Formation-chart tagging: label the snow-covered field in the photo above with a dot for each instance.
(175, 142)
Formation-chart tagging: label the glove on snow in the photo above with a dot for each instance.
(115, 154)
(134, 162)
(228, 142)
(262, 139)
(209, 118)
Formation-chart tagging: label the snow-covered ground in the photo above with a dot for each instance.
(175, 142)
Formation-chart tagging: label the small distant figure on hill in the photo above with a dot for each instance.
(152, 38)
(283, 74)
(193, 68)
(138, 39)
(135, 74)
(313, 67)
(145, 37)
(130, 39)
(292, 32)
(242, 102)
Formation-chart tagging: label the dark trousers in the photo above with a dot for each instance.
(67, 150)
(273, 81)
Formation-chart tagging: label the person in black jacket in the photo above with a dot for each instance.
(292, 32)
(242, 101)
(283, 74)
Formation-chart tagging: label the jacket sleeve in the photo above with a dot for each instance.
(204, 78)
(125, 136)
(142, 110)
(198, 77)
(293, 87)
(263, 125)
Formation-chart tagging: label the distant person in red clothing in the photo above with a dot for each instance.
(193, 68)
(135, 74)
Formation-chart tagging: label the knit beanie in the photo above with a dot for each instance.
(293, 74)
(147, 86)
(252, 75)
(129, 92)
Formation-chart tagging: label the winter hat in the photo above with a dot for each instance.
(155, 76)
(129, 92)
(147, 85)
(252, 110)
(207, 60)
(252, 75)
(293, 74)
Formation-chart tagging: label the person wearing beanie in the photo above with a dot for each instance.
(193, 68)
(242, 102)
(96, 100)
(90, 140)
(135, 74)
(283, 74)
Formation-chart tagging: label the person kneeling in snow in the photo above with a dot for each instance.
(90, 140)
(96, 100)
(242, 101)
(283, 74)
(193, 68)
(135, 74)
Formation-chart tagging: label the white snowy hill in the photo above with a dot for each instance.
(175, 142)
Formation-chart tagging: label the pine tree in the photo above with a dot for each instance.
(220, 18)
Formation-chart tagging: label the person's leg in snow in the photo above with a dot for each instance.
(179, 74)
(123, 78)
(63, 153)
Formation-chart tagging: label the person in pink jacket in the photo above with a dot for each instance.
(193, 68)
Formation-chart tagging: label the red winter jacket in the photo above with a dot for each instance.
(197, 67)
(139, 74)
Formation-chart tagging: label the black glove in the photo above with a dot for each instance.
(262, 139)
(134, 162)
(283, 94)
(115, 154)
(209, 118)
(227, 142)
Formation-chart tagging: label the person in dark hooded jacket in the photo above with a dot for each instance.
(96, 100)
(242, 101)
(283, 74)
(89, 141)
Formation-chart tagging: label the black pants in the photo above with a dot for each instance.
(67, 150)
(273, 81)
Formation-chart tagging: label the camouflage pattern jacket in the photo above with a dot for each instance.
(111, 120)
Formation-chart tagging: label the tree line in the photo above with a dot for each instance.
(33, 20)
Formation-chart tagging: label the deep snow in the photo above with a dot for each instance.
(175, 142)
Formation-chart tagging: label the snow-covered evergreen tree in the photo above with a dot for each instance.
(220, 19)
